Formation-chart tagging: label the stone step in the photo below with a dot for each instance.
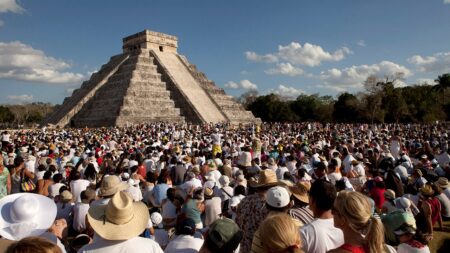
(141, 111)
(145, 101)
(150, 93)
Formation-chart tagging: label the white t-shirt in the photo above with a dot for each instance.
(321, 236)
(213, 209)
(79, 216)
(53, 190)
(406, 248)
(136, 244)
(184, 244)
(135, 193)
(77, 186)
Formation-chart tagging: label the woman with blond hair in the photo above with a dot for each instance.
(363, 233)
(279, 234)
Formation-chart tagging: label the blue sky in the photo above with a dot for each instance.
(48, 47)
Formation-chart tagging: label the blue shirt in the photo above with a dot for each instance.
(160, 193)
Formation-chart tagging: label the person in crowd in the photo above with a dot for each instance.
(300, 211)
(223, 236)
(377, 192)
(213, 206)
(44, 183)
(430, 211)
(409, 237)
(34, 244)
(77, 185)
(321, 235)
(279, 234)
(118, 225)
(194, 207)
(362, 231)
(5, 179)
(109, 186)
(184, 241)
(19, 175)
(251, 212)
(80, 210)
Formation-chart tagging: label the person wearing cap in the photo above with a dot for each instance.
(321, 235)
(159, 234)
(251, 212)
(300, 211)
(278, 200)
(223, 236)
(410, 240)
(184, 241)
(118, 225)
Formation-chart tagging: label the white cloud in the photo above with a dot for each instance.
(243, 84)
(425, 81)
(354, 76)
(446, 1)
(252, 56)
(287, 91)
(361, 43)
(21, 99)
(10, 6)
(285, 69)
(309, 54)
(439, 62)
(22, 62)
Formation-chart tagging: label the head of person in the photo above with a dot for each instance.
(321, 169)
(279, 234)
(34, 245)
(407, 230)
(110, 185)
(121, 219)
(321, 196)
(223, 236)
(352, 214)
(278, 199)
(26, 214)
(185, 227)
(18, 161)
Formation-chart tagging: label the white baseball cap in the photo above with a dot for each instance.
(278, 197)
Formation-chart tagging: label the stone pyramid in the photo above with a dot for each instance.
(148, 82)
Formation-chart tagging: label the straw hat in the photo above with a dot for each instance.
(389, 194)
(25, 214)
(110, 185)
(121, 219)
(300, 192)
(66, 196)
(443, 182)
(427, 191)
(266, 178)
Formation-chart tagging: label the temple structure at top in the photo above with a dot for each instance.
(148, 82)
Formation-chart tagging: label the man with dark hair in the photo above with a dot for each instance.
(321, 235)
(184, 240)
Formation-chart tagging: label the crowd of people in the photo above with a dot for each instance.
(221, 188)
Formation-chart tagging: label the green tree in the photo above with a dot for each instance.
(6, 116)
(346, 108)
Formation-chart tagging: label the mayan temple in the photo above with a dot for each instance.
(148, 82)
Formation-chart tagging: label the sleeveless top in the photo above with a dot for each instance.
(191, 211)
(353, 248)
(435, 209)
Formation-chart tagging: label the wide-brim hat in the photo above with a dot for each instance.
(111, 185)
(266, 178)
(300, 192)
(442, 182)
(389, 194)
(427, 190)
(120, 219)
(25, 214)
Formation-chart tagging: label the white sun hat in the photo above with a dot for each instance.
(25, 214)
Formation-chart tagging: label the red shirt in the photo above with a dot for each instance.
(377, 194)
(142, 171)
